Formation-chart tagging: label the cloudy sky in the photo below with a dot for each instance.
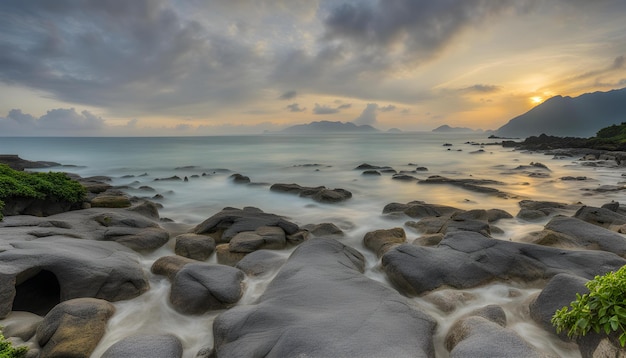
(180, 67)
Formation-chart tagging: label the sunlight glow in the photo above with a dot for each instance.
(536, 100)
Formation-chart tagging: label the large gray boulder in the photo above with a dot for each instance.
(420, 209)
(83, 268)
(194, 246)
(572, 232)
(74, 328)
(199, 287)
(230, 221)
(152, 345)
(476, 336)
(603, 217)
(321, 305)
(469, 259)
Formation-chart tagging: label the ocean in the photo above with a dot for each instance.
(315, 160)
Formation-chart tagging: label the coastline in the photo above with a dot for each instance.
(442, 237)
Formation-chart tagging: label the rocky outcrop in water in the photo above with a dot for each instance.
(320, 194)
(321, 305)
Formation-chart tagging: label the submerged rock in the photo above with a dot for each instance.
(321, 305)
(320, 194)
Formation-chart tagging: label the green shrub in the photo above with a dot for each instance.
(603, 309)
(8, 351)
(53, 186)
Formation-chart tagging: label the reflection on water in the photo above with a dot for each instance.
(312, 161)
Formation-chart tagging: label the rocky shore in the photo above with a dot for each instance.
(63, 271)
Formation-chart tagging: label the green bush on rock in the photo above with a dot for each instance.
(8, 351)
(52, 186)
(602, 309)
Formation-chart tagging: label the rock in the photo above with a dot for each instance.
(573, 232)
(198, 288)
(538, 205)
(147, 239)
(74, 268)
(532, 215)
(147, 209)
(321, 305)
(366, 166)
(230, 221)
(18, 205)
(428, 240)
(605, 218)
(478, 337)
(16, 163)
(108, 201)
(240, 179)
(494, 215)
(493, 313)
(74, 328)
(323, 229)
(449, 300)
(371, 173)
(560, 291)
(22, 325)
(331, 196)
(260, 262)
(227, 257)
(418, 209)
(381, 241)
(320, 194)
(194, 246)
(264, 237)
(472, 259)
(429, 225)
(613, 206)
(153, 346)
(169, 265)
(403, 177)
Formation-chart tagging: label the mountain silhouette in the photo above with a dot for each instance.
(580, 116)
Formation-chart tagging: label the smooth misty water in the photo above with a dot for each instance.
(289, 159)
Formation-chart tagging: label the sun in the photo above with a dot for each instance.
(536, 100)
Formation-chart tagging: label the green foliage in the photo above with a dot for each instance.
(603, 309)
(8, 351)
(53, 186)
(612, 131)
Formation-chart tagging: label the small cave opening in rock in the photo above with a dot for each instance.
(37, 294)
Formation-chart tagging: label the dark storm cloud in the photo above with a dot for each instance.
(137, 55)
(294, 107)
(289, 95)
(423, 27)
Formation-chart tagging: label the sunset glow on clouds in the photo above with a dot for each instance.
(147, 67)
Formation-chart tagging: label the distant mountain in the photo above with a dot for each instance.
(580, 116)
(329, 127)
(447, 129)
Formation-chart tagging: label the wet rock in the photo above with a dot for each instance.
(473, 259)
(371, 173)
(194, 246)
(560, 291)
(573, 232)
(227, 257)
(381, 241)
(230, 221)
(153, 346)
(320, 194)
(613, 206)
(532, 215)
(18, 205)
(428, 240)
(169, 265)
(323, 275)
(198, 288)
(420, 209)
(571, 178)
(109, 201)
(16, 163)
(449, 300)
(261, 262)
(493, 313)
(494, 215)
(240, 179)
(403, 177)
(74, 328)
(323, 229)
(532, 210)
(264, 237)
(147, 209)
(172, 178)
(147, 239)
(605, 218)
(428, 225)
(22, 325)
(366, 166)
(478, 337)
(80, 268)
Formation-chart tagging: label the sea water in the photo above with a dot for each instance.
(314, 160)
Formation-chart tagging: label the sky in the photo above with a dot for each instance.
(212, 67)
